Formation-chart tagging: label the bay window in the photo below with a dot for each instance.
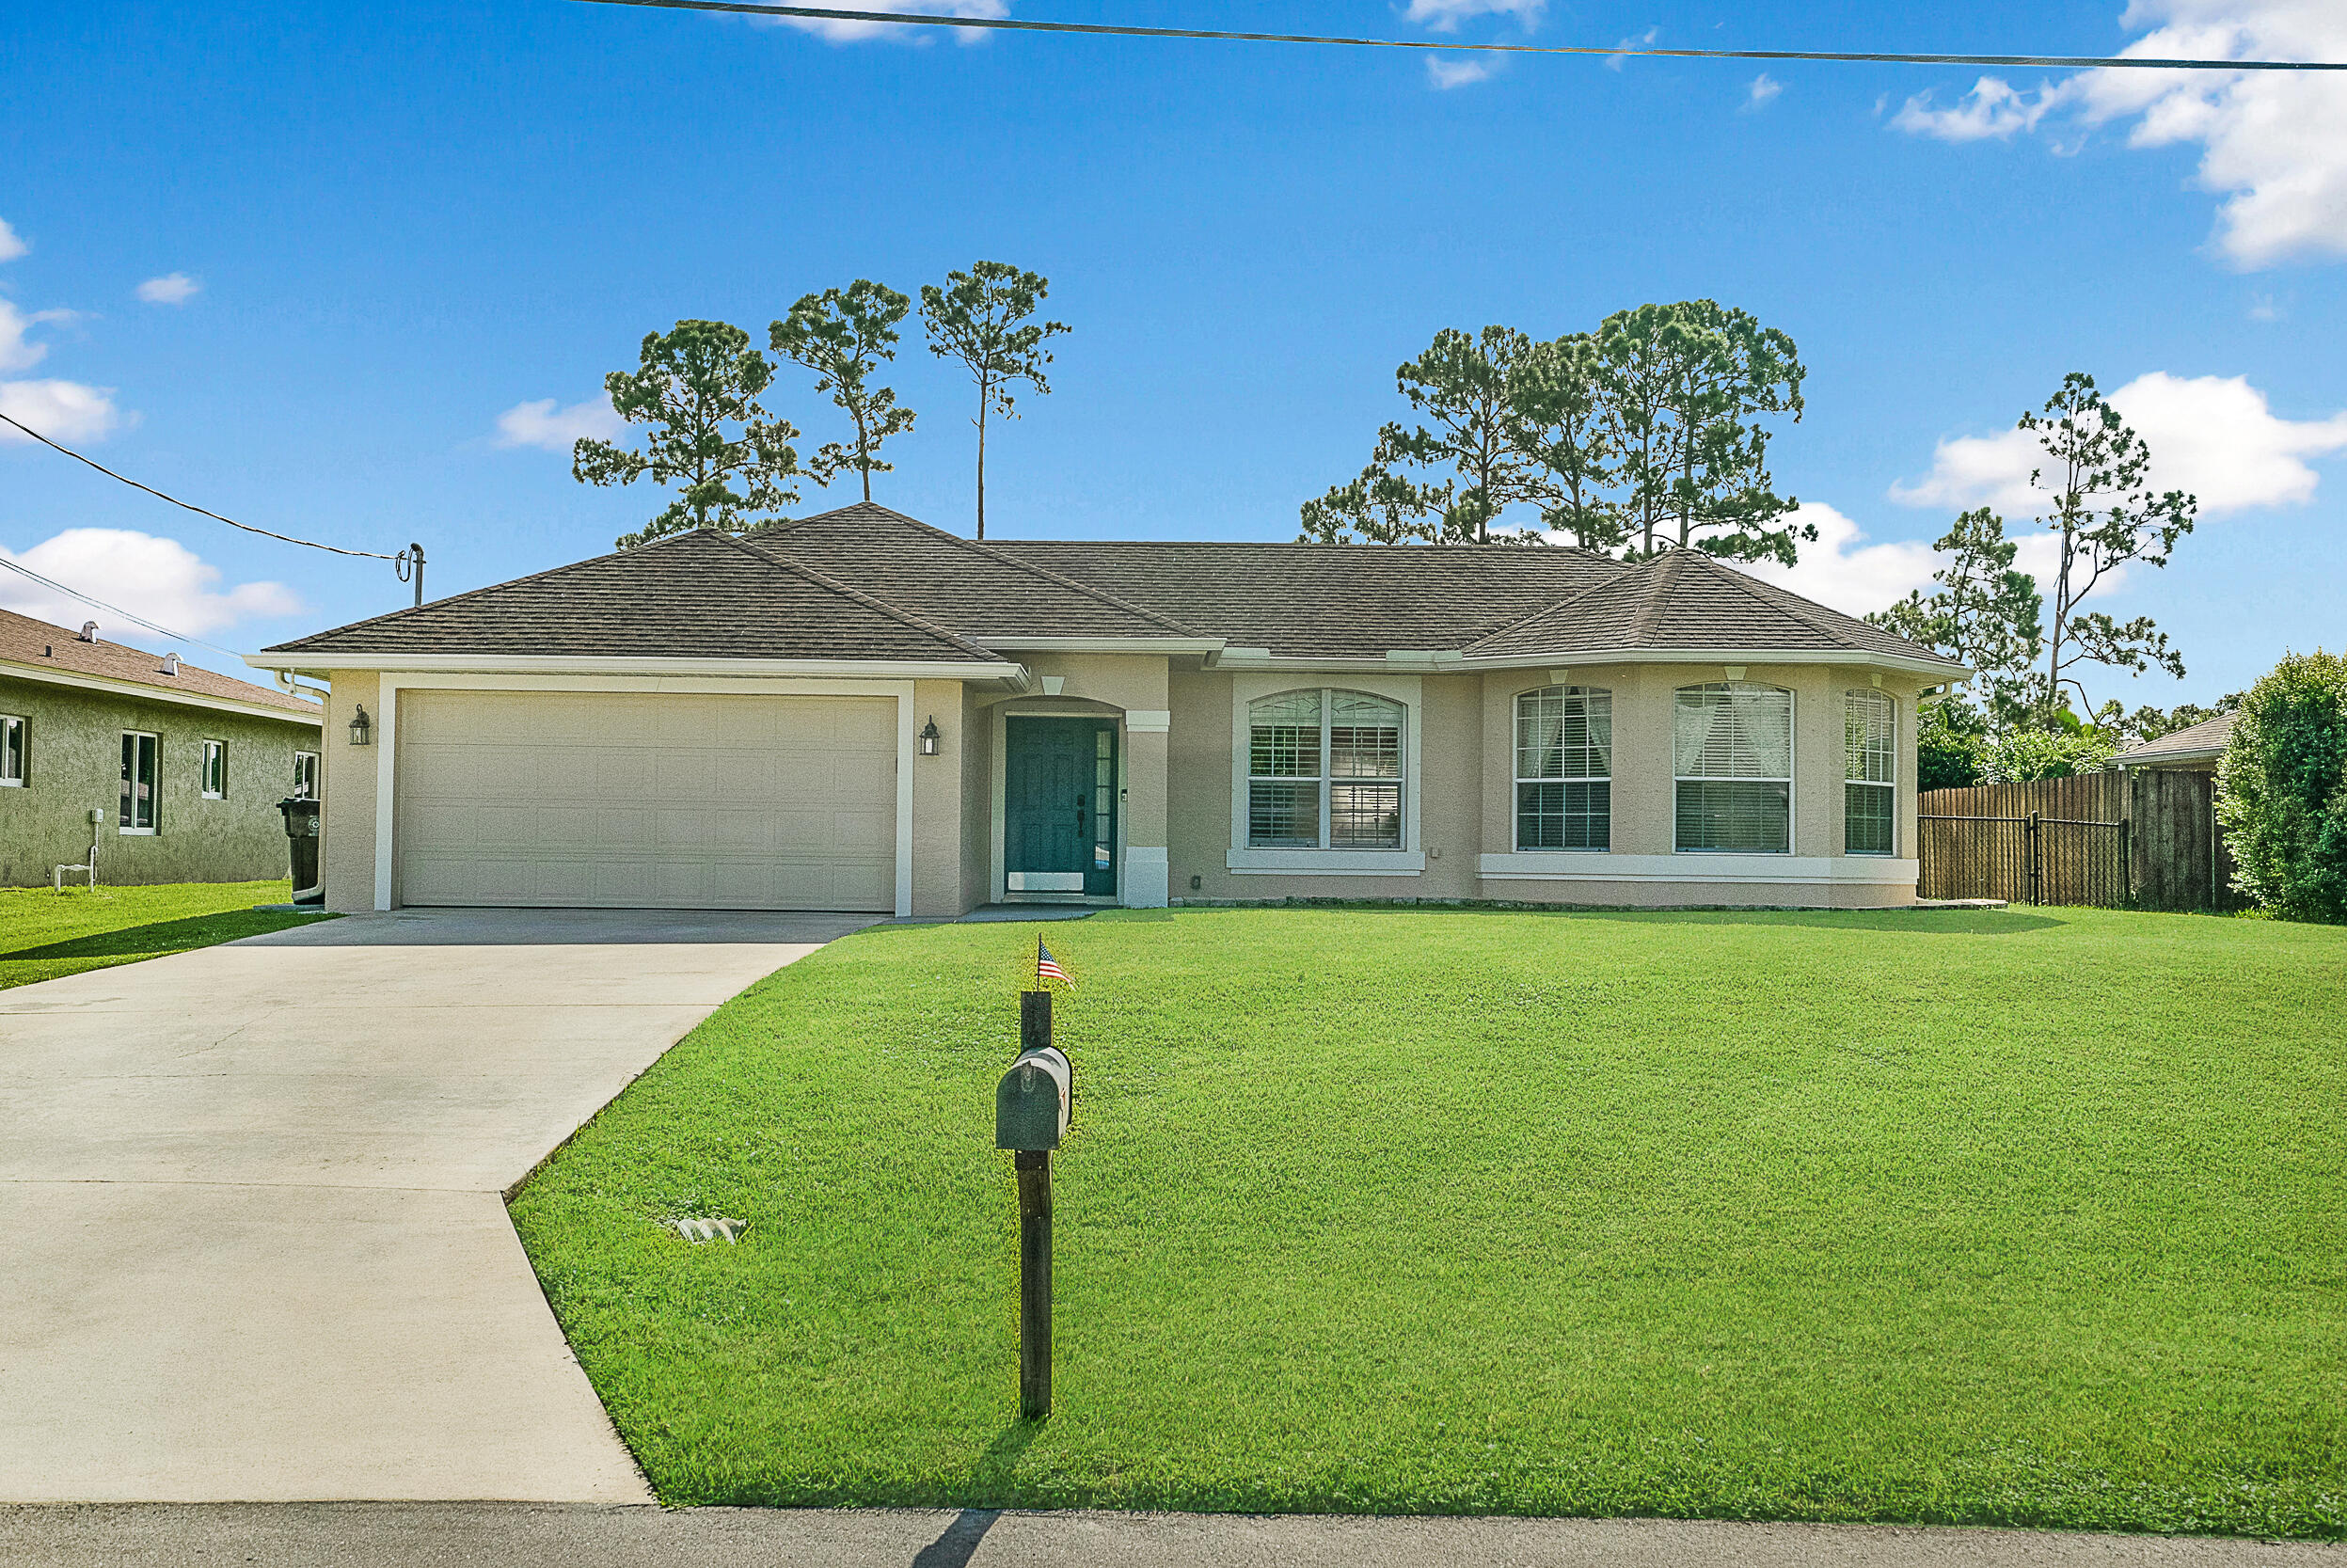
(1565, 769)
(1732, 753)
(1870, 786)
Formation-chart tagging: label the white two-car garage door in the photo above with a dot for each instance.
(668, 800)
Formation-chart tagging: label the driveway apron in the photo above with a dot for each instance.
(255, 1230)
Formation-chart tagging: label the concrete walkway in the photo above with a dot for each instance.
(507, 1536)
(253, 1218)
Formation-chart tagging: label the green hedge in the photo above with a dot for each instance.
(2282, 789)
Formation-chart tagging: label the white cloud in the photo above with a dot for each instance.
(1993, 110)
(1841, 570)
(2212, 435)
(61, 410)
(541, 424)
(174, 288)
(2275, 142)
(1444, 16)
(161, 579)
(17, 351)
(858, 32)
(1643, 40)
(1762, 92)
(1445, 73)
(12, 246)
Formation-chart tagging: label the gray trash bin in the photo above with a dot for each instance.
(301, 833)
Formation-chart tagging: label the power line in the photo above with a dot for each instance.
(285, 538)
(1003, 24)
(111, 609)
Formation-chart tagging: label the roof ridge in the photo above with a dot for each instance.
(1657, 596)
(823, 581)
(403, 612)
(1548, 610)
(992, 553)
(1801, 609)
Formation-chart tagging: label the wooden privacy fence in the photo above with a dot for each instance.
(2146, 840)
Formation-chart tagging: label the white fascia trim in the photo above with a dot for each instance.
(1439, 662)
(1326, 862)
(1567, 865)
(1103, 644)
(517, 664)
(1853, 658)
(695, 685)
(142, 693)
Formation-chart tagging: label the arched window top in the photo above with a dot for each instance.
(1564, 732)
(1732, 730)
(1870, 736)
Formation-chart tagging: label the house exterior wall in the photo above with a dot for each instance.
(347, 822)
(941, 784)
(75, 762)
(1465, 788)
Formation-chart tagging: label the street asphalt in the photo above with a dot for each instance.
(461, 1535)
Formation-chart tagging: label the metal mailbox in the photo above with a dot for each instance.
(1031, 1101)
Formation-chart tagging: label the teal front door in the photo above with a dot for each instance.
(1059, 806)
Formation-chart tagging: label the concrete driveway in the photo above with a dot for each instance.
(254, 1234)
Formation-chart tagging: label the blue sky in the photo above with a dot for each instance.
(393, 225)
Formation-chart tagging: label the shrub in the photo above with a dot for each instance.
(2020, 756)
(1948, 746)
(2282, 789)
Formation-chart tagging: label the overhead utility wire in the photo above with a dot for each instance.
(286, 538)
(111, 609)
(1002, 24)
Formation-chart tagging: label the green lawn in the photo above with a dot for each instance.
(2001, 1217)
(45, 934)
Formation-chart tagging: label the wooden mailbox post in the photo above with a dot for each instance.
(1030, 1118)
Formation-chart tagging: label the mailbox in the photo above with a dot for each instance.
(1031, 1101)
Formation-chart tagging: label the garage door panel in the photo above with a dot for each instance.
(675, 800)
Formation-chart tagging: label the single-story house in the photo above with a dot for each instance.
(2195, 750)
(857, 711)
(186, 767)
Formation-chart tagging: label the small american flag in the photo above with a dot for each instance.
(1047, 967)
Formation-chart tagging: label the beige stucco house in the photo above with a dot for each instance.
(857, 711)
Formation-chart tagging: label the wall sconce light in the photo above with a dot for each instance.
(362, 729)
(928, 738)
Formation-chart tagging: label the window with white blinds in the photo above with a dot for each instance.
(1323, 771)
(1565, 769)
(1870, 789)
(1731, 755)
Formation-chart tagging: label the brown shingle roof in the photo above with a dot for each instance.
(2208, 738)
(1327, 600)
(692, 595)
(980, 590)
(40, 646)
(1685, 600)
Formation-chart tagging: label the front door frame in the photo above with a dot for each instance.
(999, 782)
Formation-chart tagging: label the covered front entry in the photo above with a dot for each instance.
(1059, 807)
(647, 800)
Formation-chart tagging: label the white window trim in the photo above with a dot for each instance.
(1408, 861)
(154, 792)
(24, 748)
(1719, 867)
(1792, 763)
(317, 775)
(1892, 783)
(203, 779)
(1516, 764)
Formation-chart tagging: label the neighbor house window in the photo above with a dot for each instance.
(12, 751)
(1871, 732)
(1565, 769)
(1323, 771)
(138, 783)
(216, 776)
(1732, 752)
(305, 775)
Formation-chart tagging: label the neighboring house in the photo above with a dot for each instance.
(187, 766)
(857, 711)
(2196, 749)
